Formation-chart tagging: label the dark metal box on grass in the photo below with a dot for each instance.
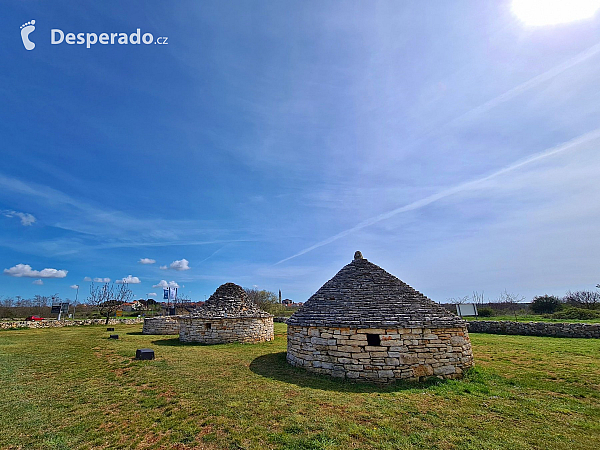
(144, 353)
(114, 336)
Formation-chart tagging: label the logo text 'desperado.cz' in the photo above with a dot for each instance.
(57, 36)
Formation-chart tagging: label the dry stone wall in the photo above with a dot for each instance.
(225, 330)
(402, 353)
(551, 329)
(65, 323)
(161, 325)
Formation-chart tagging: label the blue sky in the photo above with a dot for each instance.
(454, 145)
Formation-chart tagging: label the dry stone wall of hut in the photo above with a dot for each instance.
(401, 353)
(224, 331)
(161, 325)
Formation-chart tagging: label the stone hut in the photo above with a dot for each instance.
(227, 316)
(366, 324)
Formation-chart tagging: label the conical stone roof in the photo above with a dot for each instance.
(229, 301)
(363, 295)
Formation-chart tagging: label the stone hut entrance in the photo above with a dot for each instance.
(227, 316)
(366, 324)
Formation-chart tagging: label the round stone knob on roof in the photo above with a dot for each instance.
(358, 255)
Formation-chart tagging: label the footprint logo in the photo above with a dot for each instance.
(26, 30)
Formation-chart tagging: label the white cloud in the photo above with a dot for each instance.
(180, 264)
(129, 280)
(26, 218)
(164, 285)
(101, 280)
(163, 267)
(87, 279)
(38, 282)
(151, 294)
(25, 270)
(147, 261)
(74, 286)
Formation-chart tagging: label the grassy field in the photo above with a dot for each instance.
(72, 388)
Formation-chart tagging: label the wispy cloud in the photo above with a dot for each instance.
(103, 228)
(573, 144)
(38, 282)
(100, 280)
(529, 84)
(26, 218)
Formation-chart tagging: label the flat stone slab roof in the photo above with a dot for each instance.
(363, 295)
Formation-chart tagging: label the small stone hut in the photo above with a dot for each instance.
(227, 316)
(366, 324)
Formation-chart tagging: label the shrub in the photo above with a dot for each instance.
(577, 314)
(485, 312)
(545, 304)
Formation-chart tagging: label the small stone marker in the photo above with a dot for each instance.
(110, 329)
(144, 353)
(114, 336)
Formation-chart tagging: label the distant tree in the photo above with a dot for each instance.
(510, 298)
(458, 300)
(478, 298)
(40, 301)
(183, 303)
(266, 300)
(583, 299)
(8, 302)
(107, 298)
(545, 304)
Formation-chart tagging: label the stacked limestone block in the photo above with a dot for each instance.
(227, 316)
(366, 324)
(222, 331)
(410, 353)
(161, 325)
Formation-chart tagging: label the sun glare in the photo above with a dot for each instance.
(551, 12)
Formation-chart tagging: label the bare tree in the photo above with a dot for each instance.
(182, 304)
(509, 301)
(458, 300)
(107, 298)
(509, 297)
(584, 299)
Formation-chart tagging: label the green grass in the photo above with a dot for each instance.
(71, 388)
(532, 318)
